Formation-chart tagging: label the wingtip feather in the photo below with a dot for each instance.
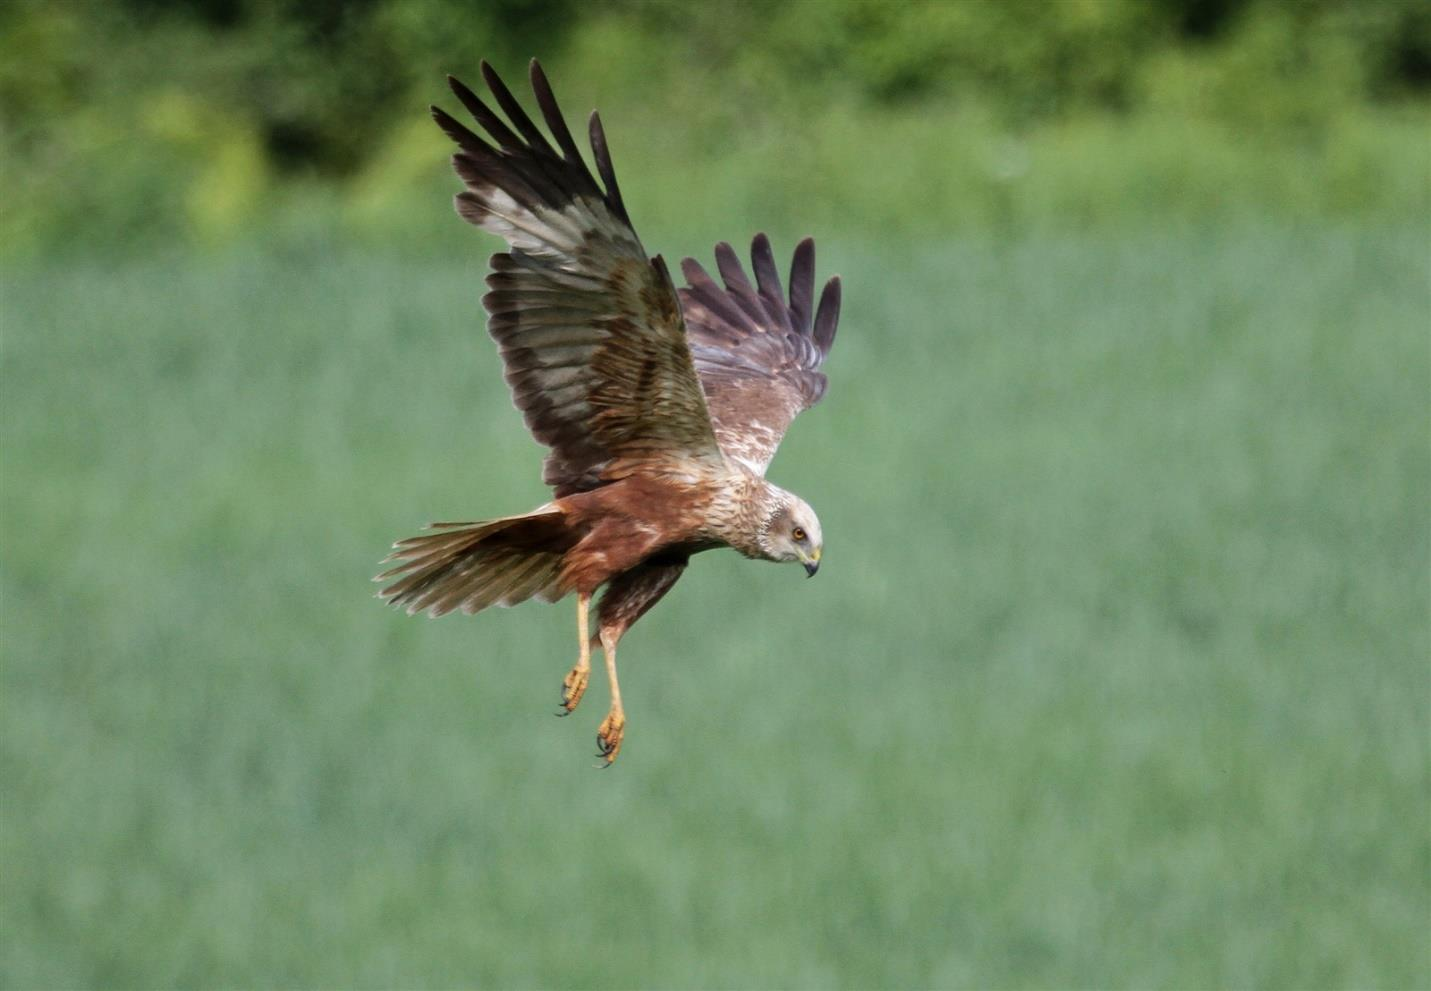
(802, 284)
(602, 153)
(827, 317)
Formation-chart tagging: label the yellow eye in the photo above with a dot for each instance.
(798, 534)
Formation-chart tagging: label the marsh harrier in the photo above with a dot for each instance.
(661, 406)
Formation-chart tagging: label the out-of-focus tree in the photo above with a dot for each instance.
(142, 115)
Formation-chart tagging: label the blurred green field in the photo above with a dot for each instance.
(1116, 673)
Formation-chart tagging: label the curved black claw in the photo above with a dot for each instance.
(573, 687)
(610, 734)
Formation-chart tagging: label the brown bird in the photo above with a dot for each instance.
(661, 407)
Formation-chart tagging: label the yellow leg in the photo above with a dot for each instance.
(613, 727)
(573, 687)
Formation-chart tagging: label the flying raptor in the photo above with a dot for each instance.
(662, 407)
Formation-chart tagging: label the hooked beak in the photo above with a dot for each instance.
(812, 565)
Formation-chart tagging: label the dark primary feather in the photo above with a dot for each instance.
(556, 123)
(802, 282)
(603, 165)
(589, 327)
(514, 110)
(758, 353)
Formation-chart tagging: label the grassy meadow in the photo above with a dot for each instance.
(1115, 674)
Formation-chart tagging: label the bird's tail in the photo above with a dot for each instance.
(471, 566)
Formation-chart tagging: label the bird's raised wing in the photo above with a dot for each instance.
(589, 328)
(757, 353)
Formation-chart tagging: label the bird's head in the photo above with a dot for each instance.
(792, 533)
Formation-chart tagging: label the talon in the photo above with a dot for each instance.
(609, 735)
(573, 687)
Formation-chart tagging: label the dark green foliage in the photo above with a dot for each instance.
(140, 121)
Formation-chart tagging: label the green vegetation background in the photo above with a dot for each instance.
(1117, 672)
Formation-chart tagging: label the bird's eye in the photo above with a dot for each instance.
(798, 534)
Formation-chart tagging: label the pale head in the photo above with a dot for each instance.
(792, 532)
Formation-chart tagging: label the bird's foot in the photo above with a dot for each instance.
(608, 736)
(573, 687)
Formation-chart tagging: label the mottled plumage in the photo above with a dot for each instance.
(661, 408)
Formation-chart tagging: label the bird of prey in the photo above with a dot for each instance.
(662, 407)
